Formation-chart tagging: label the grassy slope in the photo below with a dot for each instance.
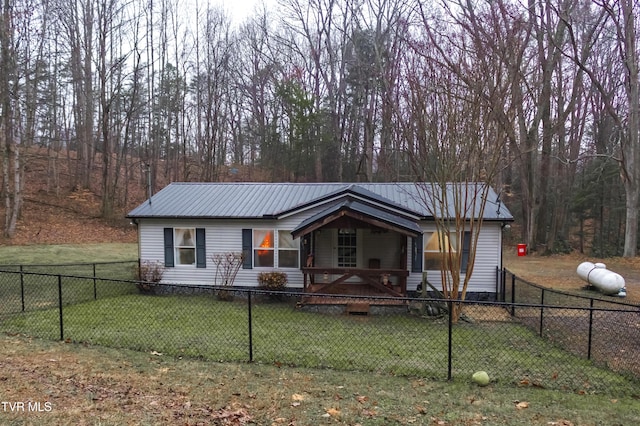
(205, 328)
(67, 253)
(92, 385)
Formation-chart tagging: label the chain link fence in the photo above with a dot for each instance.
(36, 287)
(599, 329)
(551, 345)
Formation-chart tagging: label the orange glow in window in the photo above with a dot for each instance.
(266, 243)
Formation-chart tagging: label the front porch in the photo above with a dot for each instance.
(367, 282)
(353, 297)
(356, 247)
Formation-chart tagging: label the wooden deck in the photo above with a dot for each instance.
(363, 294)
(356, 281)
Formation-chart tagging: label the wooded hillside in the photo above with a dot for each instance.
(540, 99)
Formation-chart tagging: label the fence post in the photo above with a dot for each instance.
(513, 294)
(590, 328)
(60, 306)
(22, 287)
(250, 326)
(95, 291)
(504, 284)
(449, 375)
(496, 297)
(541, 311)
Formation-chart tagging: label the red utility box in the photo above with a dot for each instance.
(522, 249)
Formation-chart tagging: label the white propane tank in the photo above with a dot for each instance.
(600, 277)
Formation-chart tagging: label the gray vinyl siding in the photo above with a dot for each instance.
(222, 235)
(225, 235)
(487, 260)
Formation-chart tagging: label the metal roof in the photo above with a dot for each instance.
(264, 200)
(395, 220)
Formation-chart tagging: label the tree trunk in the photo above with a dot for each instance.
(631, 166)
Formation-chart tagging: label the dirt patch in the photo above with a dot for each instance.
(608, 337)
(487, 313)
(559, 272)
(64, 213)
(53, 224)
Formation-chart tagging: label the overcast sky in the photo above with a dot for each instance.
(240, 9)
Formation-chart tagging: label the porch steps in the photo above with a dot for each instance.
(360, 308)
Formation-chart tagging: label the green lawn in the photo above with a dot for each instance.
(86, 260)
(205, 328)
(97, 385)
(57, 254)
(31, 291)
(37, 287)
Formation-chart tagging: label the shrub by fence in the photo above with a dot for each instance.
(258, 328)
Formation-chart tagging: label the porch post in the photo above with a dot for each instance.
(404, 264)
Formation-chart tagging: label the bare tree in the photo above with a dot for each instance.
(457, 141)
(210, 88)
(617, 18)
(318, 32)
(78, 20)
(21, 74)
(8, 144)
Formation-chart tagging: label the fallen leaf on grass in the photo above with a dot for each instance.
(296, 398)
(362, 399)
(333, 412)
(232, 417)
(156, 353)
(369, 413)
(522, 405)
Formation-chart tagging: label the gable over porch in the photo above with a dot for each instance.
(357, 245)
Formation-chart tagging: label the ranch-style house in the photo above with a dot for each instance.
(378, 238)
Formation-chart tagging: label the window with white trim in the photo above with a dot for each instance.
(185, 246)
(275, 249)
(437, 245)
(347, 248)
(288, 250)
(263, 248)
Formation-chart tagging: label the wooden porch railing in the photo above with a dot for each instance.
(321, 279)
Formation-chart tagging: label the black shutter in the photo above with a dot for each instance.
(201, 250)
(416, 254)
(247, 246)
(466, 248)
(168, 247)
